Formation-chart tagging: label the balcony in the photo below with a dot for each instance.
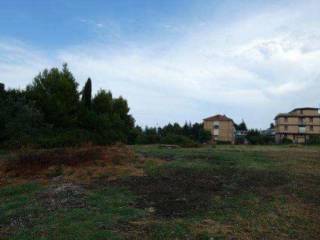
(302, 129)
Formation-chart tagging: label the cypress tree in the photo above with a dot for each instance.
(1, 88)
(86, 94)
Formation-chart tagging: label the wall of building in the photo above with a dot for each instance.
(290, 126)
(295, 129)
(226, 130)
(306, 112)
(295, 138)
(207, 125)
(295, 120)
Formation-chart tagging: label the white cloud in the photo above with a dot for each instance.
(91, 22)
(287, 88)
(260, 65)
(19, 63)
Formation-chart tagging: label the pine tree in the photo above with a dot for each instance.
(242, 126)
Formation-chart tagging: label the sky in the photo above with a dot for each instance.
(173, 60)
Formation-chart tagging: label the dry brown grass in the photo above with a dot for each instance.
(29, 161)
(72, 164)
(267, 192)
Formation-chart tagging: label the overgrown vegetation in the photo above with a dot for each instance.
(256, 138)
(52, 112)
(226, 192)
(188, 135)
(27, 160)
(314, 140)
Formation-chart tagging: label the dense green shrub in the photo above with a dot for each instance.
(190, 134)
(148, 136)
(314, 140)
(240, 140)
(51, 112)
(20, 120)
(51, 138)
(178, 140)
(223, 142)
(255, 137)
(286, 141)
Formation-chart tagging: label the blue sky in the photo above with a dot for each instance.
(174, 60)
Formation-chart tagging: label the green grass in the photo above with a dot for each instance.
(106, 208)
(267, 191)
(16, 203)
(169, 230)
(242, 192)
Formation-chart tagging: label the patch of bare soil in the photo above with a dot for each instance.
(176, 193)
(63, 195)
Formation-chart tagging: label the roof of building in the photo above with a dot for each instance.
(218, 117)
(303, 108)
(292, 112)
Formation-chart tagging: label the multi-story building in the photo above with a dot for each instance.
(221, 127)
(297, 125)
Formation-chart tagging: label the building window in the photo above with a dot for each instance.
(311, 119)
(301, 120)
(301, 111)
(286, 128)
(302, 129)
(311, 128)
(285, 119)
(215, 123)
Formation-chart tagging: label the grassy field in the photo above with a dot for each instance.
(226, 192)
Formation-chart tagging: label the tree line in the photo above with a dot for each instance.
(187, 135)
(52, 112)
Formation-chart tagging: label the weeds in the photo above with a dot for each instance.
(226, 192)
(32, 160)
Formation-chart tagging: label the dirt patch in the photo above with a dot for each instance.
(66, 195)
(175, 193)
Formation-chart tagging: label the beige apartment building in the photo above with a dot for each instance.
(221, 127)
(297, 125)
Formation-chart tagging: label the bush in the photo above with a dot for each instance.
(255, 137)
(240, 140)
(56, 138)
(223, 142)
(286, 141)
(30, 160)
(190, 134)
(314, 140)
(179, 140)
